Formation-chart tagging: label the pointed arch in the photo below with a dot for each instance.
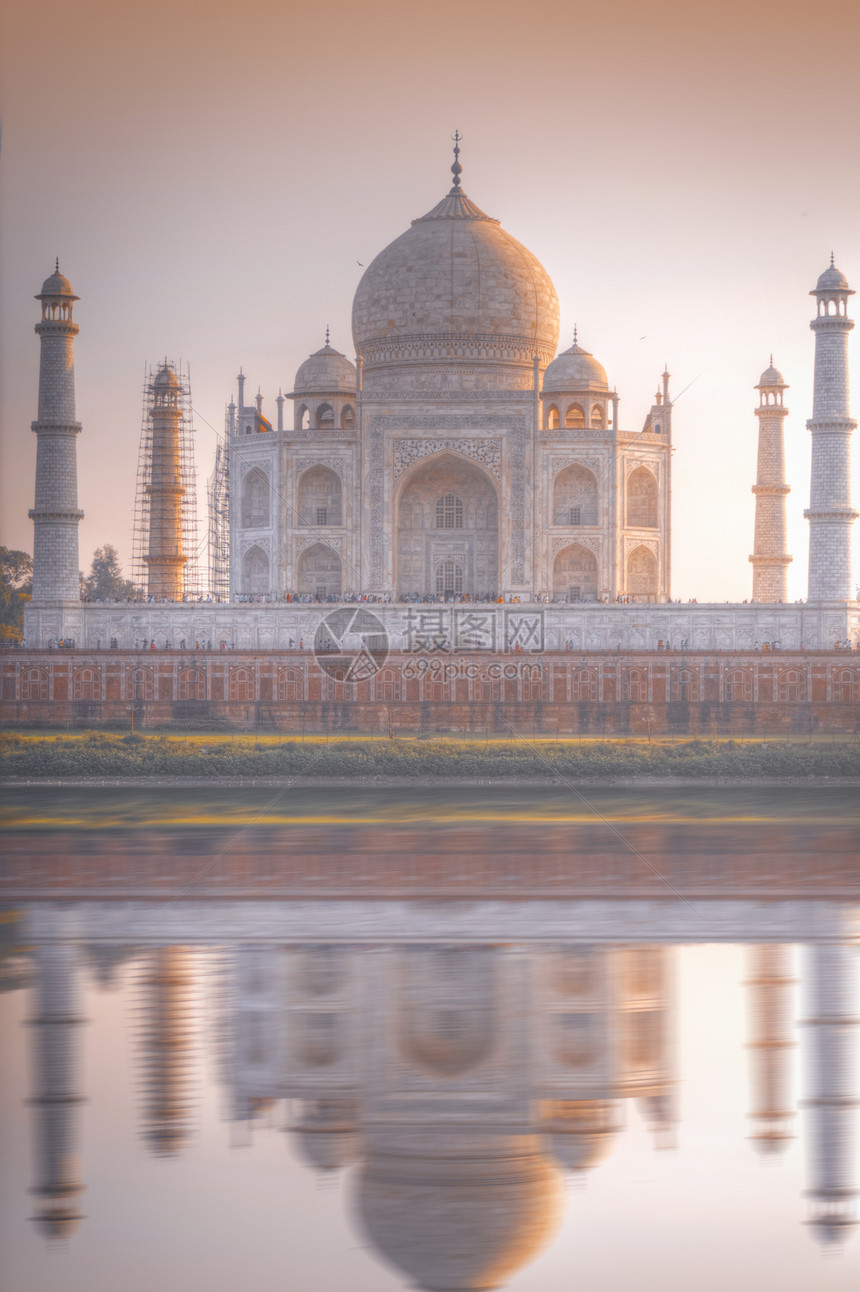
(575, 416)
(574, 496)
(256, 495)
(255, 571)
(642, 573)
(642, 498)
(574, 573)
(319, 497)
(319, 571)
(462, 556)
(553, 420)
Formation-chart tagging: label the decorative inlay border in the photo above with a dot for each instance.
(487, 452)
(310, 540)
(557, 464)
(592, 543)
(335, 464)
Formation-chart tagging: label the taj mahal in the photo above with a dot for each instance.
(461, 457)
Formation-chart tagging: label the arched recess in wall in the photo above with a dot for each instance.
(320, 571)
(435, 555)
(255, 571)
(574, 496)
(447, 1014)
(642, 499)
(642, 574)
(320, 497)
(574, 573)
(256, 500)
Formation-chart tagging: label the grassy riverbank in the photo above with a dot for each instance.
(97, 754)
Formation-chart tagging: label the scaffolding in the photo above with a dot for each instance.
(219, 519)
(165, 552)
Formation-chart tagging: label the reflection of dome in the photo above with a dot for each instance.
(575, 1152)
(581, 1133)
(455, 291)
(326, 1135)
(459, 1211)
(574, 370)
(326, 372)
(833, 1231)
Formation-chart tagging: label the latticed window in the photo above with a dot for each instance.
(575, 516)
(449, 577)
(34, 684)
(739, 685)
(449, 512)
(322, 515)
(241, 686)
(192, 684)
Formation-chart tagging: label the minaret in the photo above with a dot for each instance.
(832, 1083)
(830, 513)
(165, 558)
(56, 516)
(770, 561)
(57, 1028)
(770, 1046)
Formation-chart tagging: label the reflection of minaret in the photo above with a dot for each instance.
(832, 1102)
(771, 1042)
(56, 1046)
(649, 1004)
(168, 983)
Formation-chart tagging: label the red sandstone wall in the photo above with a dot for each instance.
(587, 693)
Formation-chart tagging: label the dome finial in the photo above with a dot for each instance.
(771, 359)
(456, 169)
(575, 342)
(327, 334)
(57, 264)
(831, 260)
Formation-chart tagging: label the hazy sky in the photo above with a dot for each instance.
(209, 175)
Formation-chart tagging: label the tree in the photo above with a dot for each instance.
(104, 581)
(16, 587)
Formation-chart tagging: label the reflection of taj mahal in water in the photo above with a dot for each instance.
(459, 1083)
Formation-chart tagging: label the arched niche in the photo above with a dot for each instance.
(575, 416)
(574, 573)
(255, 571)
(642, 573)
(431, 551)
(642, 499)
(256, 504)
(446, 1022)
(320, 571)
(552, 418)
(347, 417)
(320, 498)
(325, 415)
(574, 496)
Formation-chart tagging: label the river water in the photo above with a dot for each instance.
(451, 1039)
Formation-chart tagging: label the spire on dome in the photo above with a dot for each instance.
(456, 169)
(575, 341)
(327, 335)
(57, 264)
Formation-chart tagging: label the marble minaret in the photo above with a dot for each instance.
(56, 516)
(770, 561)
(830, 513)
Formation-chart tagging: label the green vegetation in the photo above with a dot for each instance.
(104, 581)
(89, 754)
(16, 586)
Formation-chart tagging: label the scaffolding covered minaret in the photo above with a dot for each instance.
(165, 533)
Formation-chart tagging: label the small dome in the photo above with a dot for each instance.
(57, 285)
(166, 378)
(326, 372)
(575, 370)
(832, 279)
(771, 376)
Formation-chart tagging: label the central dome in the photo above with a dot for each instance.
(454, 303)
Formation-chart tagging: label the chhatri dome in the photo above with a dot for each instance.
(454, 303)
(575, 370)
(57, 285)
(325, 372)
